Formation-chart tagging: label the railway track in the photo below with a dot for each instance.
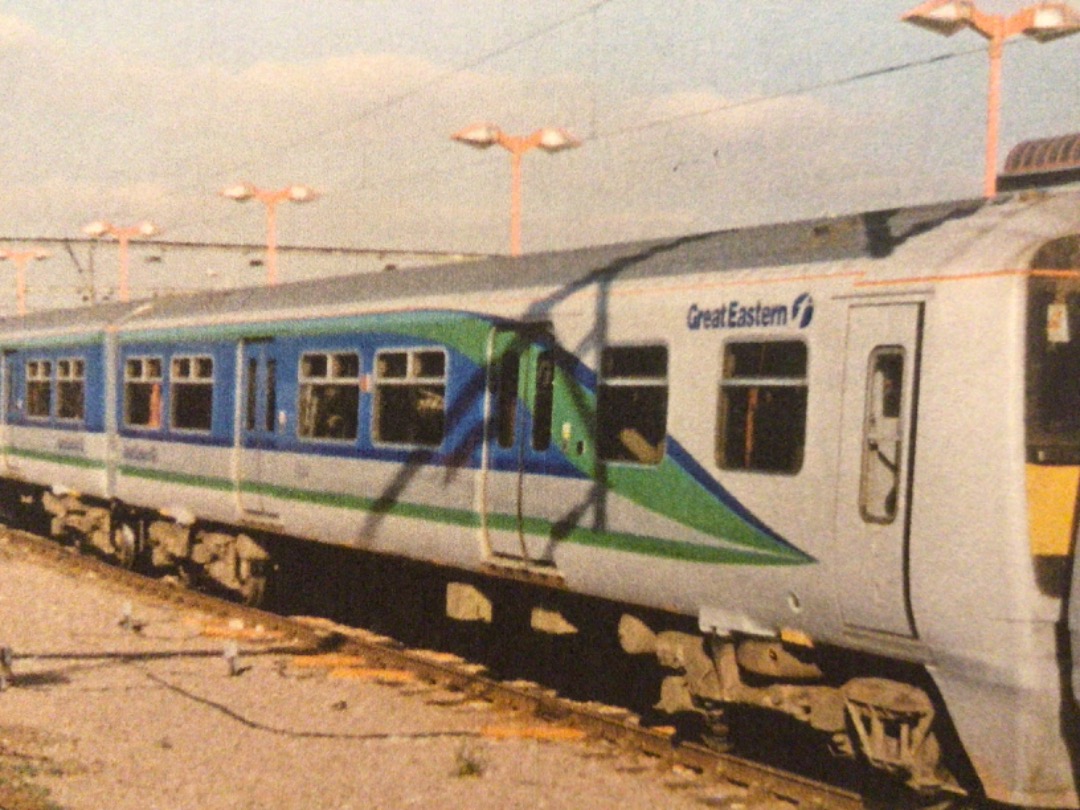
(724, 779)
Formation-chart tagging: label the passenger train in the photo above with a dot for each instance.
(848, 450)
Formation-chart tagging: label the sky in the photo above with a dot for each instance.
(694, 115)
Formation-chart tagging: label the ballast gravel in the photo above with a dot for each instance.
(127, 705)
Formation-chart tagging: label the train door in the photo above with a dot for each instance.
(877, 437)
(259, 429)
(518, 442)
(7, 399)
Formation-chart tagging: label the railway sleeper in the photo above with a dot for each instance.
(887, 723)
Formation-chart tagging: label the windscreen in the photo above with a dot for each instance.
(1053, 355)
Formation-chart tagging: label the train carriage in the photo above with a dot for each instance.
(847, 448)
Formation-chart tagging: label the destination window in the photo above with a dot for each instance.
(39, 388)
(329, 395)
(761, 422)
(142, 392)
(70, 388)
(631, 404)
(191, 384)
(410, 397)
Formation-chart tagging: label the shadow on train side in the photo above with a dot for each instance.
(467, 410)
(595, 340)
(881, 240)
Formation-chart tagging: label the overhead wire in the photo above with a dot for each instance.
(600, 134)
(595, 130)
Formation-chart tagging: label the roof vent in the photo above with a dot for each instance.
(1045, 161)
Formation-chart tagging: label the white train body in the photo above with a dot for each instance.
(821, 436)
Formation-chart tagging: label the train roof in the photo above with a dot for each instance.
(941, 239)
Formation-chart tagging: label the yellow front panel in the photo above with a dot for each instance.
(1051, 497)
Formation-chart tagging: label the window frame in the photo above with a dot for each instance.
(147, 379)
(305, 379)
(411, 379)
(612, 383)
(760, 382)
(76, 375)
(191, 378)
(43, 373)
(880, 404)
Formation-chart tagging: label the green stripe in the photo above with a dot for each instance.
(57, 458)
(67, 341)
(460, 330)
(183, 479)
(467, 518)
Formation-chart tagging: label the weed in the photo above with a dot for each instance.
(469, 761)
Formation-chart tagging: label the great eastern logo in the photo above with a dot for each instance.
(739, 315)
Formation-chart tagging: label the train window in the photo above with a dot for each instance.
(882, 437)
(410, 397)
(271, 396)
(329, 395)
(761, 421)
(39, 388)
(251, 399)
(70, 388)
(1053, 358)
(631, 405)
(544, 401)
(507, 401)
(142, 392)
(12, 403)
(192, 389)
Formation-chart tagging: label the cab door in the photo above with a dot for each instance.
(878, 421)
(518, 443)
(260, 426)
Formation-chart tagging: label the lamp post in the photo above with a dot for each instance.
(101, 229)
(20, 258)
(270, 198)
(481, 136)
(1042, 22)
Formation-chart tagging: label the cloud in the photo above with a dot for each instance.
(115, 134)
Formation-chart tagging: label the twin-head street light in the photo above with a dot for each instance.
(20, 258)
(270, 198)
(101, 229)
(481, 136)
(1042, 22)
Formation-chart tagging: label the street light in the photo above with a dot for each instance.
(20, 258)
(270, 198)
(100, 229)
(1042, 22)
(481, 136)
